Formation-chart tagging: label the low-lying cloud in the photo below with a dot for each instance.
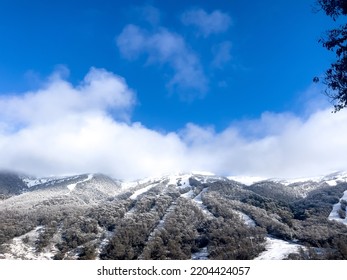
(65, 129)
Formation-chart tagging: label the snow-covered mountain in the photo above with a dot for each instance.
(180, 216)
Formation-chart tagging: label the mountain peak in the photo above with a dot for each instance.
(186, 215)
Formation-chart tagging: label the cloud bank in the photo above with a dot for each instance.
(65, 129)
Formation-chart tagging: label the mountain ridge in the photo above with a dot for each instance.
(177, 216)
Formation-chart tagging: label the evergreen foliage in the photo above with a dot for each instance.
(336, 41)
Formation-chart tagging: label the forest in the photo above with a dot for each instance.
(196, 217)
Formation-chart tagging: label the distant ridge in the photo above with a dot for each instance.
(187, 215)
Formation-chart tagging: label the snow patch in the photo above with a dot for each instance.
(188, 195)
(287, 182)
(23, 247)
(30, 182)
(334, 215)
(161, 223)
(71, 187)
(201, 255)
(246, 180)
(335, 178)
(180, 180)
(277, 249)
(245, 218)
(141, 191)
(106, 237)
(129, 185)
(331, 183)
(331, 179)
(198, 201)
(33, 182)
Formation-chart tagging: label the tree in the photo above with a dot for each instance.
(333, 8)
(336, 41)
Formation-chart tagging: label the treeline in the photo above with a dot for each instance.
(304, 220)
(132, 232)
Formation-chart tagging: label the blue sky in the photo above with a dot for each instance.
(261, 59)
(187, 71)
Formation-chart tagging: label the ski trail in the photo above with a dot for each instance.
(197, 200)
(141, 191)
(334, 214)
(104, 242)
(159, 226)
(245, 218)
(71, 187)
(161, 223)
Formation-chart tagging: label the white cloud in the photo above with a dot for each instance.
(207, 24)
(63, 128)
(150, 14)
(165, 48)
(91, 143)
(279, 145)
(99, 91)
(221, 54)
(132, 41)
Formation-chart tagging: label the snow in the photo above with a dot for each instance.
(18, 249)
(277, 249)
(331, 179)
(131, 184)
(336, 177)
(334, 215)
(33, 182)
(247, 219)
(287, 182)
(201, 255)
(246, 180)
(203, 173)
(188, 195)
(331, 183)
(161, 222)
(141, 191)
(71, 187)
(180, 180)
(129, 213)
(198, 201)
(198, 198)
(38, 181)
(107, 236)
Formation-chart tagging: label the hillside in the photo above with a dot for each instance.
(182, 216)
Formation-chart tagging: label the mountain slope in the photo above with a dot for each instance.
(182, 216)
(11, 183)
